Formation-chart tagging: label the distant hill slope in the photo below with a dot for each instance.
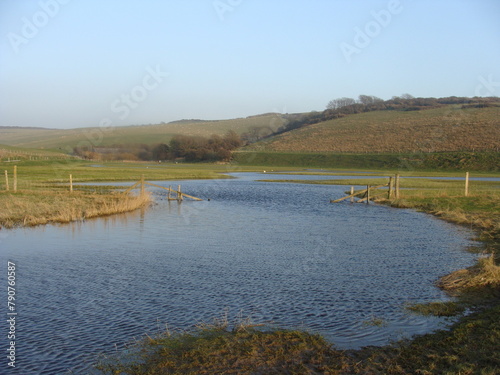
(11, 153)
(448, 128)
(149, 134)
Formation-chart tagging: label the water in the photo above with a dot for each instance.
(275, 252)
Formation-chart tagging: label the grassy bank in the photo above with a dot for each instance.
(43, 189)
(445, 161)
(29, 208)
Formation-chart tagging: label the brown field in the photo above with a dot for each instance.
(449, 128)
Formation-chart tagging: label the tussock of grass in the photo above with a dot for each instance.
(448, 308)
(30, 208)
(219, 348)
(486, 273)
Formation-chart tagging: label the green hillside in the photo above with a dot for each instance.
(149, 134)
(12, 153)
(445, 129)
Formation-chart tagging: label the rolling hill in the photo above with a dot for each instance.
(443, 129)
(453, 133)
(66, 139)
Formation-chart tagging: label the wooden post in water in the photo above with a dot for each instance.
(352, 193)
(70, 183)
(391, 186)
(179, 194)
(367, 194)
(6, 181)
(15, 178)
(142, 186)
(170, 193)
(466, 184)
(397, 186)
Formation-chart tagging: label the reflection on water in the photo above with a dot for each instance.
(277, 252)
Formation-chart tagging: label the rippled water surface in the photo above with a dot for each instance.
(275, 251)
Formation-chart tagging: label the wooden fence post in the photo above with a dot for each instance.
(391, 186)
(70, 183)
(397, 186)
(179, 194)
(6, 181)
(15, 178)
(352, 193)
(466, 184)
(367, 194)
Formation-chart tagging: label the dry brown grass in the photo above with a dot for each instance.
(441, 129)
(486, 273)
(29, 208)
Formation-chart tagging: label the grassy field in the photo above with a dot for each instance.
(411, 162)
(10, 153)
(445, 129)
(149, 134)
(46, 173)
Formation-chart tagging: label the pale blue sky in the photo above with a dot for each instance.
(75, 63)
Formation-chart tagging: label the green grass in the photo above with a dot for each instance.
(449, 308)
(32, 174)
(408, 162)
(10, 153)
(469, 347)
(218, 351)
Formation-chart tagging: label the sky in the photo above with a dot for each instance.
(87, 63)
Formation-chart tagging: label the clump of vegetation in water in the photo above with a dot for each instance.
(221, 349)
(448, 308)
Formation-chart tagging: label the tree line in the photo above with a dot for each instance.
(189, 148)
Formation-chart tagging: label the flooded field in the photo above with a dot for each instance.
(279, 253)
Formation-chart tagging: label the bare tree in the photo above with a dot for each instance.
(340, 102)
(369, 99)
(407, 96)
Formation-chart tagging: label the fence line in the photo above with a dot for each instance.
(394, 190)
(365, 195)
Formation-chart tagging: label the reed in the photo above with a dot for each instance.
(30, 208)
